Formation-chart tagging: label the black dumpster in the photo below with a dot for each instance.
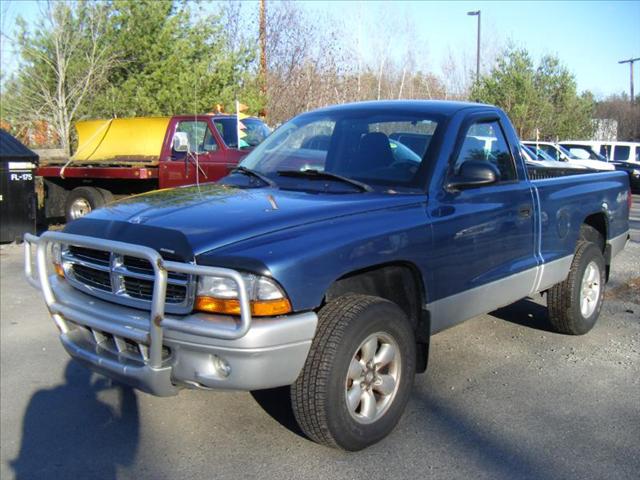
(17, 195)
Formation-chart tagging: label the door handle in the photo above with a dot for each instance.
(524, 211)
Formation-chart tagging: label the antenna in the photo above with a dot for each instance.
(263, 52)
(195, 112)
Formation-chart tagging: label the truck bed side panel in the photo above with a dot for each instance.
(565, 203)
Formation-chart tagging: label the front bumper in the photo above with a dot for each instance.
(159, 353)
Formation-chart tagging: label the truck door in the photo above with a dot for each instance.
(483, 235)
(217, 163)
(201, 164)
(227, 130)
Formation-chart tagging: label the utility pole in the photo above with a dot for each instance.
(630, 62)
(263, 53)
(476, 13)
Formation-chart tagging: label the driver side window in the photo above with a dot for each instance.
(484, 141)
(197, 132)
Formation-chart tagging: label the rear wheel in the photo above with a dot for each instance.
(574, 305)
(83, 200)
(358, 375)
(106, 195)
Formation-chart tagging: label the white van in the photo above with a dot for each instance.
(613, 151)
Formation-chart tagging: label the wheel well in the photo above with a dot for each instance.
(399, 283)
(599, 222)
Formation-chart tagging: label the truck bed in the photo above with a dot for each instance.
(55, 157)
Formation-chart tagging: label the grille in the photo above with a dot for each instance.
(92, 277)
(141, 265)
(143, 290)
(124, 279)
(121, 346)
(90, 255)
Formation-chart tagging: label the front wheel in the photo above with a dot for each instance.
(358, 376)
(574, 305)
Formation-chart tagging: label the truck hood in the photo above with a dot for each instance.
(212, 216)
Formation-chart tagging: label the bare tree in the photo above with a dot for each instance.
(626, 114)
(456, 74)
(306, 64)
(64, 59)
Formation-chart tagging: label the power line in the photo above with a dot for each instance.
(630, 62)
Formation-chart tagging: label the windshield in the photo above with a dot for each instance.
(567, 152)
(554, 151)
(585, 152)
(538, 154)
(363, 146)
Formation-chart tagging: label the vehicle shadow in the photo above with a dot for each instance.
(68, 432)
(276, 402)
(496, 456)
(527, 313)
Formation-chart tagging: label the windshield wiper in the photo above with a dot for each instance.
(253, 173)
(311, 173)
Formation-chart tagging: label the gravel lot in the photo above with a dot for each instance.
(503, 398)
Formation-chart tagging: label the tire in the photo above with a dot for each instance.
(83, 200)
(107, 196)
(319, 395)
(569, 312)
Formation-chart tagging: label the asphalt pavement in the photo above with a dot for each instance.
(503, 397)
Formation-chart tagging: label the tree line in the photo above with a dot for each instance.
(121, 58)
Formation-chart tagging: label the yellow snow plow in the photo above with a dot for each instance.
(117, 140)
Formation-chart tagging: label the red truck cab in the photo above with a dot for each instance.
(210, 158)
(73, 189)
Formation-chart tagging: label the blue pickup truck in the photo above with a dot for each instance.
(328, 258)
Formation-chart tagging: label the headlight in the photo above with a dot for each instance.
(220, 295)
(56, 254)
(636, 172)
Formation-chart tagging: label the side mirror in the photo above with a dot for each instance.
(474, 173)
(181, 142)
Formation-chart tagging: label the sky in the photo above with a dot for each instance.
(589, 37)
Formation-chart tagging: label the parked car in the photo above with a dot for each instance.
(631, 168)
(125, 156)
(585, 152)
(538, 157)
(560, 153)
(333, 279)
(611, 150)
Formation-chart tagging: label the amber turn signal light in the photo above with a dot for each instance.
(259, 308)
(59, 270)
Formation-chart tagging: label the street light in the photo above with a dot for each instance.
(476, 13)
